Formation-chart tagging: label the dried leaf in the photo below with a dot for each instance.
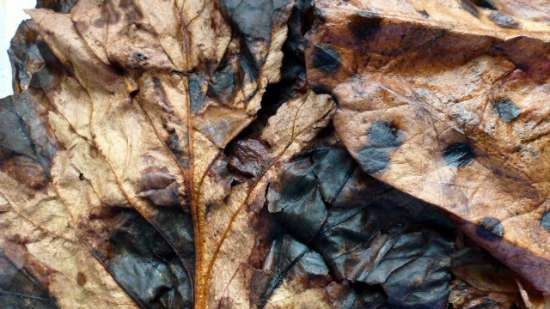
(175, 154)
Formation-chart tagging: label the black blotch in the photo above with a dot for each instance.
(326, 58)
(62, 6)
(81, 177)
(23, 131)
(469, 7)
(383, 139)
(503, 20)
(321, 89)
(140, 57)
(223, 84)
(118, 68)
(134, 94)
(488, 4)
(424, 13)
(372, 237)
(490, 229)
(507, 110)
(19, 289)
(364, 25)
(545, 221)
(299, 205)
(196, 93)
(146, 266)
(458, 154)
(254, 19)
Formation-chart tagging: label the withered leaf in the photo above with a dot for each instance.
(275, 154)
(442, 106)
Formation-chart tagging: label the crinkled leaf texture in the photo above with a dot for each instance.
(165, 154)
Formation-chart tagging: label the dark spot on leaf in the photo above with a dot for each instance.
(254, 19)
(488, 4)
(424, 13)
(326, 58)
(364, 25)
(545, 221)
(140, 58)
(469, 7)
(507, 110)
(383, 139)
(458, 155)
(503, 20)
(490, 229)
(81, 279)
(197, 94)
(223, 84)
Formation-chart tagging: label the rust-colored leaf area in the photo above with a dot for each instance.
(228, 154)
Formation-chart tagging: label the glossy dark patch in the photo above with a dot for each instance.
(545, 220)
(177, 229)
(469, 7)
(458, 154)
(488, 4)
(146, 266)
(503, 20)
(364, 25)
(19, 289)
(299, 204)
(383, 139)
(254, 19)
(507, 110)
(197, 93)
(22, 131)
(372, 246)
(223, 84)
(326, 58)
(372, 236)
(490, 229)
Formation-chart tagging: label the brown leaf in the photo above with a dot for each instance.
(440, 104)
(172, 154)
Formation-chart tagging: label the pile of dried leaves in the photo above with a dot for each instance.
(277, 154)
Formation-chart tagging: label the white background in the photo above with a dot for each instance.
(11, 14)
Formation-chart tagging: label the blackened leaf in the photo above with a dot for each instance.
(145, 265)
(19, 289)
(299, 205)
(376, 241)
